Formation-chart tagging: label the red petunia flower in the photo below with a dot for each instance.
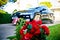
(46, 29)
(39, 22)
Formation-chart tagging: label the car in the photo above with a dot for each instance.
(48, 18)
(30, 13)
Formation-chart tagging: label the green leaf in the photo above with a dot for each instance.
(3, 2)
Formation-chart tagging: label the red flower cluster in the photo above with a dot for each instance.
(34, 30)
(46, 29)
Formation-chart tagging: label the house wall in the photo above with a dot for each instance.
(57, 15)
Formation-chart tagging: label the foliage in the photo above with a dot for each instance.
(48, 4)
(2, 12)
(22, 22)
(3, 2)
(4, 17)
(54, 32)
(11, 37)
(15, 0)
(15, 11)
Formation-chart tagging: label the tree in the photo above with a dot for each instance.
(3, 2)
(48, 4)
(15, 0)
(2, 12)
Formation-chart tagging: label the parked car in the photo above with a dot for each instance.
(30, 13)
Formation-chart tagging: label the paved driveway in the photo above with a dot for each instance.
(6, 30)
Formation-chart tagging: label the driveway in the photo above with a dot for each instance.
(6, 30)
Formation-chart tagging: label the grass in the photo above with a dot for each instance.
(54, 32)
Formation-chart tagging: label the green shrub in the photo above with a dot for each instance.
(2, 12)
(3, 2)
(4, 17)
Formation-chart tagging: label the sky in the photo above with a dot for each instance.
(26, 4)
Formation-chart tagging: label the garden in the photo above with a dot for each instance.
(54, 32)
